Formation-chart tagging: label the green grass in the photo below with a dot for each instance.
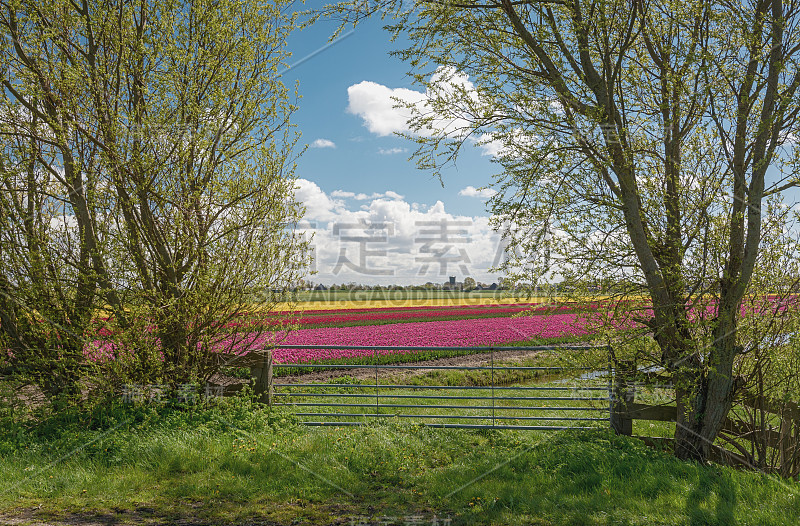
(240, 463)
(571, 364)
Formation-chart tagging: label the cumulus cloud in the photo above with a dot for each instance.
(323, 143)
(490, 148)
(515, 143)
(63, 222)
(376, 105)
(386, 110)
(381, 238)
(492, 145)
(471, 191)
(319, 206)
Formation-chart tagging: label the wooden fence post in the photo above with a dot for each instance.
(621, 421)
(787, 452)
(262, 379)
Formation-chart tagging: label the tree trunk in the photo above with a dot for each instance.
(701, 415)
(705, 392)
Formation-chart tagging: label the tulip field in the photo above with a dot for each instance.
(390, 315)
(448, 333)
(452, 326)
(414, 326)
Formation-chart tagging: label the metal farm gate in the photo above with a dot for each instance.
(574, 398)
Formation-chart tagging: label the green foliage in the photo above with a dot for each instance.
(469, 283)
(628, 165)
(109, 424)
(147, 187)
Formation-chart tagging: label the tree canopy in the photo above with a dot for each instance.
(147, 173)
(642, 144)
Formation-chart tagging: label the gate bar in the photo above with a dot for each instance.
(390, 386)
(440, 397)
(472, 368)
(521, 408)
(471, 417)
(462, 426)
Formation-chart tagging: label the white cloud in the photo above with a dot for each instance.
(323, 143)
(63, 222)
(490, 147)
(381, 238)
(319, 206)
(375, 103)
(391, 151)
(471, 191)
(385, 110)
(515, 143)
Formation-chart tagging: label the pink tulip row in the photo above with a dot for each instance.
(442, 333)
(343, 317)
(468, 330)
(421, 315)
(450, 333)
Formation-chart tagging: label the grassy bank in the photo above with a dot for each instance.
(237, 463)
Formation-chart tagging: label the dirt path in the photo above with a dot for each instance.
(199, 513)
(145, 517)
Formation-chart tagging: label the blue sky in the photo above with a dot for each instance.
(375, 217)
(365, 161)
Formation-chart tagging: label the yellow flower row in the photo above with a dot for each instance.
(345, 304)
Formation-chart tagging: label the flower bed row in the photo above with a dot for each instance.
(462, 332)
(420, 308)
(452, 333)
(351, 317)
(365, 318)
